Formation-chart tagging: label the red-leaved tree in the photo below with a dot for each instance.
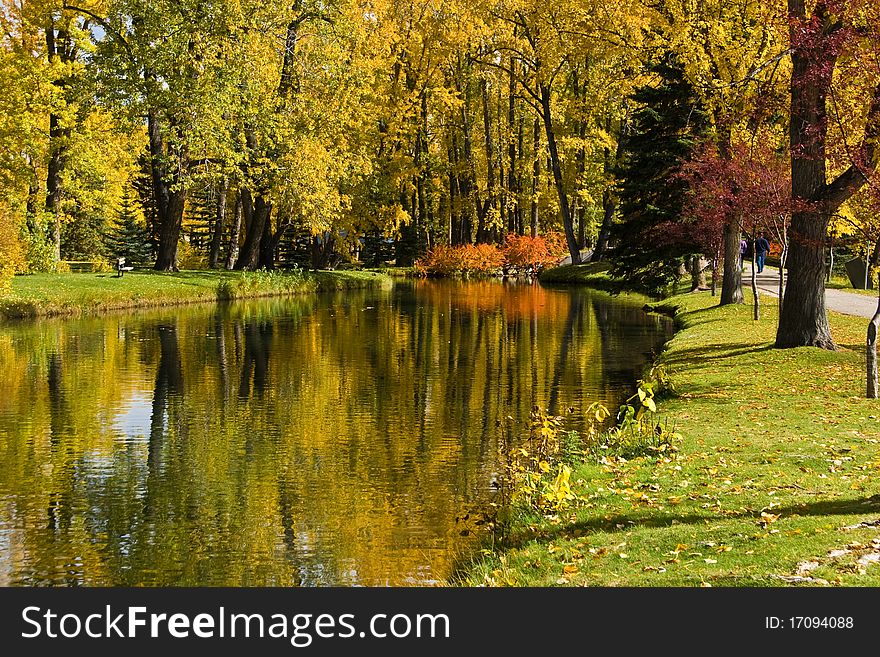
(751, 187)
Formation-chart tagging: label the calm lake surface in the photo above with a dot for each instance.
(322, 440)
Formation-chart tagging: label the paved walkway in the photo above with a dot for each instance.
(848, 303)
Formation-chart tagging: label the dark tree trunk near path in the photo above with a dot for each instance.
(731, 284)
(609, 205)
(756, 307)
(698, 274)
(803, 321)
(871, 351)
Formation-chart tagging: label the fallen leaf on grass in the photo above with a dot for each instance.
(767, 519)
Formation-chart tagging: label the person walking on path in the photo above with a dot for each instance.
(762, 248)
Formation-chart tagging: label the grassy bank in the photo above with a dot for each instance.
(774, 481)
(593, 274)
(43, 295)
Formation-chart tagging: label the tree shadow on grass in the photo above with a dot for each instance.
(622, 522)
(714, 353)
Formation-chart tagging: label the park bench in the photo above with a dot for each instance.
(121, 268)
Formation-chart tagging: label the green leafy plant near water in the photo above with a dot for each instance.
(537, 474)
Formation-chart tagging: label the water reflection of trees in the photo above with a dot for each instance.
(308, 442)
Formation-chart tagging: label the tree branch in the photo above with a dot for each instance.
(864, 164)
(103, 23)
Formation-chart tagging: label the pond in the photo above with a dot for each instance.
(336, 439)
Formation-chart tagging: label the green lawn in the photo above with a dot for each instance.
(594, 274)
(842, 283)
(74, 294)
(783, 433)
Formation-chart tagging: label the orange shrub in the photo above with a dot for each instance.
(535, 253)
(445, 260)
(520, 251)
(556, 244)
(525, 251)
(483, 258)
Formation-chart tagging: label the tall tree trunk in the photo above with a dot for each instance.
(455, 203)
(219, 225)
(235, 232)
(536, 177)
(756, 308)
(731, 283)
(580, 209)
(422, 176)
(609, 198)
(59, 136)
(514, 210)
(556, 165)
(609, 205)
(520, 148)
(803, 321)
(170, 199)
(491, 200)
(266, 258)
(249, 257)
(698, 273)
(871, 351)
(258, 248)
(467, 182)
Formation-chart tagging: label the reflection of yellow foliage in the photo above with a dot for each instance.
(11, 253)
(294, 474)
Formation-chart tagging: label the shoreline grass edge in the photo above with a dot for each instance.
(774, 482)
(73, 295)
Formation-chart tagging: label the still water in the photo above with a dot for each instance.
(322, 440)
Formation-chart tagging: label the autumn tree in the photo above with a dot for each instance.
(829, 41)
(546, 41)
(752, 184)
(651, 238)
(733, 54)
(161, 64)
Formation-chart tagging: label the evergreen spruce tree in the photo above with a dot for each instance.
(143, 187)
(201, 213)
(662, 134)
(129, 238)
